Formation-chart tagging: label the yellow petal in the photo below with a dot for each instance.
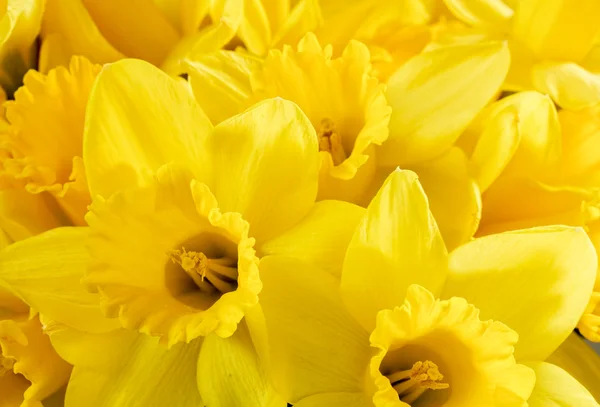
(138, 30)
(229, 372)
(581, 361)
(557, 29)
(397, 244)
(23, 214)
(272, 177)
(192, 13)
(255, 30)
(84, 349)
(46, 131)
(304, 17)
(555, 387)
(491, 13)
(568, 84)
(453, 194)
(335, 400)
(517, 203)
(45, 271)
(23, 341)
(536, 281)
(125, 142)
(436, 94)
(581, 146)
(321, 237)
(496, 145)
(144, 374)
(277, 12)
(536, 149)
(210, 39)
(221, 83)
(71, 20)
(53, 53)
(315, 345)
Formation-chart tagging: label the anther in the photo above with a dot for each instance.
(411, 384)
(210, 275)
(331, 141)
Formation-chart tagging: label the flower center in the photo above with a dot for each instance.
(6, 365)
(331, 141)
(411, 384)
(211, 275)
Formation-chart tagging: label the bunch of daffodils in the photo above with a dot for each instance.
(308, 203)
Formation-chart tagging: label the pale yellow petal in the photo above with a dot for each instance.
(436, 94)
(45, 271)
(487, 13)
(336, 400)
(265, 164)
(137, 29)
(568, 84)
(453, 194)
(78, 31)
(146, 373)
(555, 387)
(536, 281)
(557, 29)
(23, 214)
(397, 244)
(210, 39)
(229, 372)
(315, 346)
(221, 83)
(321, 238)
(581, 361)
(132, 129)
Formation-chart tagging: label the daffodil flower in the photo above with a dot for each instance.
(181, 214)
(408, 324)
(537, 167)
(41, 147)
(30, 369)
(20, 23)
(360, 141)
(554, 44)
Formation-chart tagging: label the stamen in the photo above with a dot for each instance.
(411, 384)
(210, 275)
(6, 365)
(331, 141)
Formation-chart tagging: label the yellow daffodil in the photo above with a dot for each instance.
(41, 146)
(30, 369)
(380, 337)
(20, 23)
(538, 167)
(348, 109)
(554, 44)
(182, 211)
